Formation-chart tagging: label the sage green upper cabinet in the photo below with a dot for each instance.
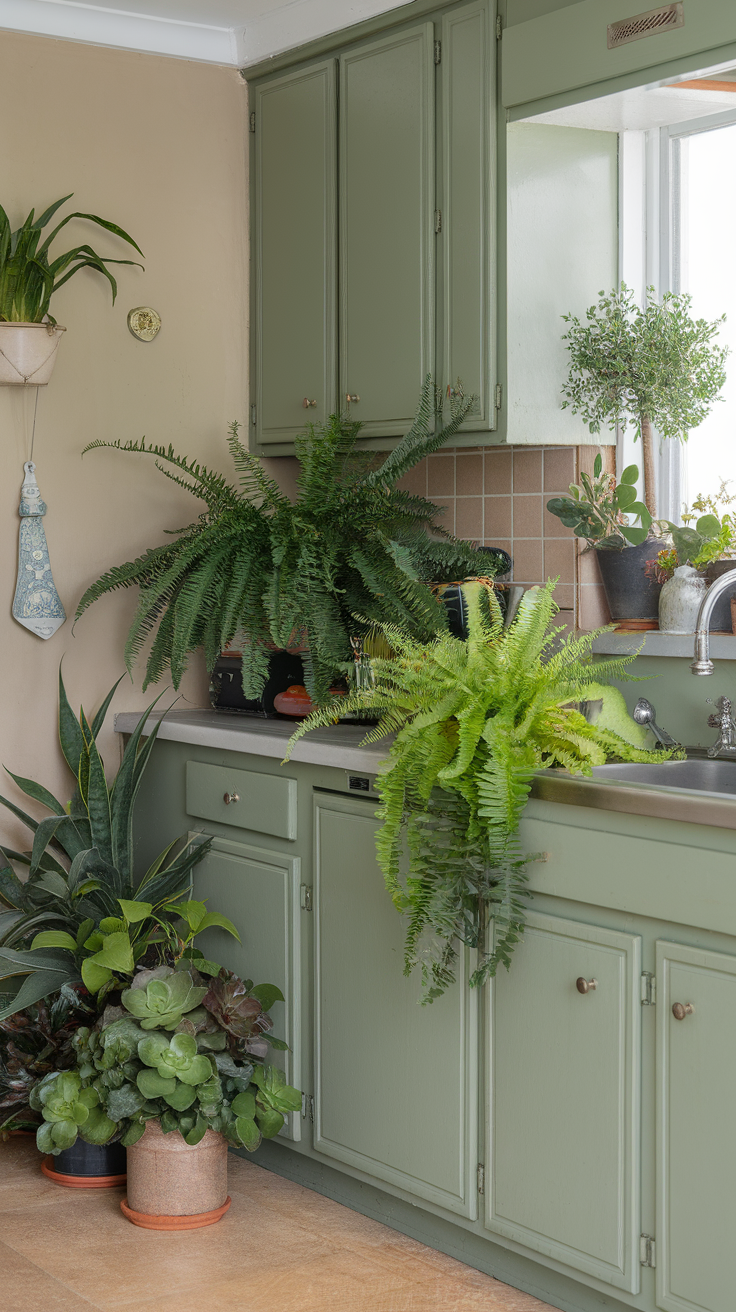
(396, 1083)
(387, 245)
(696, 1132)
(565, 1098)
(467, 206)
(293, 253)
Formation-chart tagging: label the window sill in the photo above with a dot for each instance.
(652, 643)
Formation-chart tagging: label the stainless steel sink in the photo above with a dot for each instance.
(694, 775)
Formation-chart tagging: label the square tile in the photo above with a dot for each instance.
(415, 481)
(564, 596)
(468, 475)
(552, 527)
(528, 560)
(441, 477)
(497, 518)
(559, 468)
(527, 470)
(559, 560)
(593, 610)
(469, 518)
(527, 516)
(497, 471)
(588, 568)
(446, 516)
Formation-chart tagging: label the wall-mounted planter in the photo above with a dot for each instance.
(28, 352)
(175, 1186)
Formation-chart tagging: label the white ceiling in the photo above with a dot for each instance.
(235, 32)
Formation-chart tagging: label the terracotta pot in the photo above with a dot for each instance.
(172, 1186)
(28, 352)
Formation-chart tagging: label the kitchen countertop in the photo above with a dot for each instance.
(338, 744)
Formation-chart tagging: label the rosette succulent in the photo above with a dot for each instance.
(69, 1108)
(162, 1002)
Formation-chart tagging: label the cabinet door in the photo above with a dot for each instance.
(396, 1083)
(696, 1133)
(387, 227)
(565, 1098)
(293, 260)
(259, 891)
(468, 205)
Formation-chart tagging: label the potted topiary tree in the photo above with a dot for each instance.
(29, 335)
(655, 368)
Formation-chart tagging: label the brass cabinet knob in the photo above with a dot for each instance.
(682, 1009)
(230, 797)
(585, 985)
(307, 403)
(349, 398)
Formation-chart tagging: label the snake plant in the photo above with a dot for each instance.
(473, 722)
(29, 277)
(83, 915)
(352, 549)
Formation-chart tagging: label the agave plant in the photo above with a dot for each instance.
(353, 549)
(83, 915)
(474, 720)
(28, 275)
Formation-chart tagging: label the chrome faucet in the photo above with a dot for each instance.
(722, 719)
(702, 663)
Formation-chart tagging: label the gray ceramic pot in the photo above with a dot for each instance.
(631, 594)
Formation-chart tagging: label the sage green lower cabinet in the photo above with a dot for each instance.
(396, 1083)
(259, 890)
(696, 1130)
(564, 1085)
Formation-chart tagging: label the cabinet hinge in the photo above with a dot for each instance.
(253, 121)
(438, 52)
(438, 220)
(648, 989)
(253, 414)
(481, 1178)
(306, 897)
(499, 396)
(307, 1106)
(499, 28)
(647, 1252)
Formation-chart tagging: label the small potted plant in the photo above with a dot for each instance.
(597, 511)
(176, 1072)
(706, 540)
(29, 277)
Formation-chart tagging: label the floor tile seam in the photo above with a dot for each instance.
(70, 1288)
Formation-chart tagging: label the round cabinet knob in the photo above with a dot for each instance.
(228, 798)
(307, 403)
(350, 398)
(682, 1009)
(585, 985)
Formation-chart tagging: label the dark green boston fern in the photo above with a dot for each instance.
(474, 720)
(352, 551)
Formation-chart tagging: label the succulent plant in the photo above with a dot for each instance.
(176, 1058)
(162, 1002)
(69, 1109)
(33, 1043)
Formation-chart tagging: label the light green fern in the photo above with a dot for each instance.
(474, 720)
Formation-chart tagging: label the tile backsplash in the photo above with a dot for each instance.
(498, 496)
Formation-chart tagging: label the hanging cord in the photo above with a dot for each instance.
(33, 432)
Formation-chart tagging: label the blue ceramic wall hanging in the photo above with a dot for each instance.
(37, 604)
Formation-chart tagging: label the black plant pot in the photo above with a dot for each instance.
(89, 1161)
(720, 620)
(631, 594)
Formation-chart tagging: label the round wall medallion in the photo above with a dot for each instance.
(144, 323)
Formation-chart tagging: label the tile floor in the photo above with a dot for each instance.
(280, 1247)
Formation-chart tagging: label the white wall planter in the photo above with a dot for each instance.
(28, 352)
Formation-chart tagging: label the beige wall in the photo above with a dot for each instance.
(160, 147)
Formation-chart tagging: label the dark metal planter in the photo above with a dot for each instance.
(87, 1165)
(720, 621)
(631, 594)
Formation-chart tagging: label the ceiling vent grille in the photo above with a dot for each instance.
(664, 19)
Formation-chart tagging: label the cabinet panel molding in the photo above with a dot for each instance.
(696, 1130)
(564, 1082)
(293, 258)
(265, 803)
(259, 890)
(387, 239)
(396, 1083)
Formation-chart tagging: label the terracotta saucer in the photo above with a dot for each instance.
(194, 1222)
(81, 1181)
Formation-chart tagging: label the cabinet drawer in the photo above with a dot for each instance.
(266, 803)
